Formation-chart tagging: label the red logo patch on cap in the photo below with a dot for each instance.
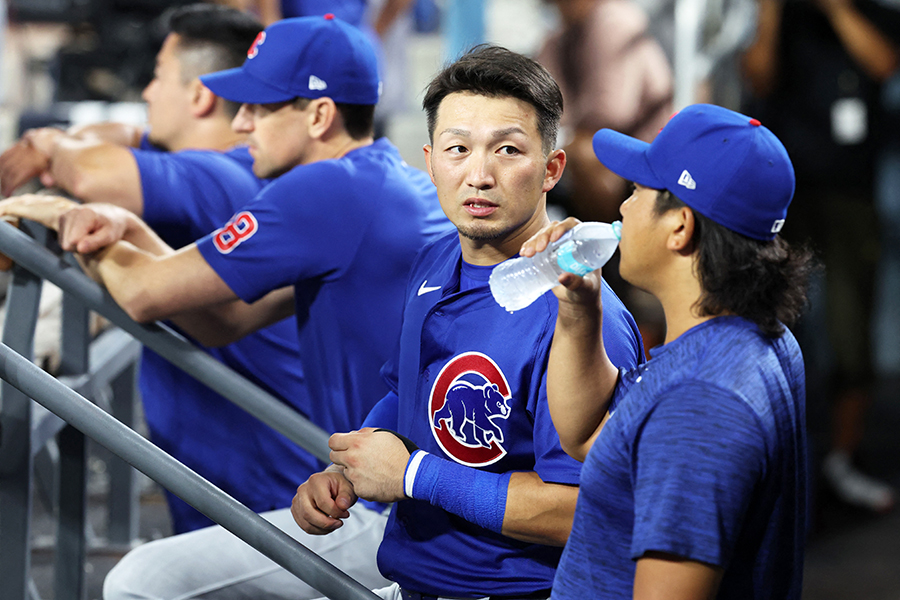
(254, 47)
(329, 17)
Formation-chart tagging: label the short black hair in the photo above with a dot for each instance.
(763, 281)
(496, 72)
(359, 119)
(212, 38)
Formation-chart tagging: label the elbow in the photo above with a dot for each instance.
(576, 451)
(139, 306)
(83, 186)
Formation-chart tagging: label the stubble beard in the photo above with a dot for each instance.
(480, 234)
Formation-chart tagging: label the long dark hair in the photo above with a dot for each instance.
(763, 281)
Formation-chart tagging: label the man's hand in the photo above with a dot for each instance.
(88, 228)
(21, 163)
(45, 210)
(373, 461)
(323, 501)
(577, 294)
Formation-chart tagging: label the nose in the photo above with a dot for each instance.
(243, 120)
(146, 93)
(480, 174)
(627, 203)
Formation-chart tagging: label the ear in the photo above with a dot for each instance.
(322, 116)
(556, 164)
(682, 230)
(203, 101)
(427, 149)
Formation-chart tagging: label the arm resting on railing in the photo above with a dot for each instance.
(146, 277)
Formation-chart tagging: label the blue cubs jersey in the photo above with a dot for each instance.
(703, 458)
(343, 233)
(186, 195)
(471, 383)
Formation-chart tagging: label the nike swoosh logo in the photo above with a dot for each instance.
(425, 290)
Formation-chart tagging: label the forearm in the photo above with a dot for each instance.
(759, 63)
(138, 233)
(871, 50)
(519, 505)
(538, 512)
(580, 379)
(96, 171)
(119, 134)
(227, 322)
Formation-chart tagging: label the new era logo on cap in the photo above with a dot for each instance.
(777, 225)
(687, 181)
(317, 84)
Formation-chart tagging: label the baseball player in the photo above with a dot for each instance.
(484, 494)
(340, 223)
(696, 484)
(183, 194)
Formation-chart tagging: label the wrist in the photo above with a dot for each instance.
(579, 319)
(44, 140)
(477, 496)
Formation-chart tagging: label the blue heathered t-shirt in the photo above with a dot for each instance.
(703, 458)
(344, 233)
(187, 194)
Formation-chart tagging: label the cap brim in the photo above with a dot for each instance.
(626, 157)
(238, 85)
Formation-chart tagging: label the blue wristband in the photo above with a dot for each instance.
(477, 496)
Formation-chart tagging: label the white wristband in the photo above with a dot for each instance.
(409, 476)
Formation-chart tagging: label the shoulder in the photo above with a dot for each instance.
(440, 252)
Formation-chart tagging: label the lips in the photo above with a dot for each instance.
(479, 207)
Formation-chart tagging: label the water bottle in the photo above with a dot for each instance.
(518, 282)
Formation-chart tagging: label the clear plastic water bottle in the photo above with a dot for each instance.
(518, 282)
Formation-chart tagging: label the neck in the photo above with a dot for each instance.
(208, 135)
(680, 298)
(336, 147)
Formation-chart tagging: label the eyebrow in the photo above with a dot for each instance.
(499, 133)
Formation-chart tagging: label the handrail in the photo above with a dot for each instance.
(163, 340)
(177, 478)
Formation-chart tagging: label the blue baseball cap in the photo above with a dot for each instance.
(723, 164)
(306, 57)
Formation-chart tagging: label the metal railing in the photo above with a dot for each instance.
(27, 429)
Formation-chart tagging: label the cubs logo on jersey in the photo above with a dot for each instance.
(467, 408)
(241, 227)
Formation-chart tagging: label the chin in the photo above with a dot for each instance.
(480, 234)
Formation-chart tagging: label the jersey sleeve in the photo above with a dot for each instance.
(621, 336)
(550, 461)
(699, 456)
(385, 413)
(289, 232)
(185, 192)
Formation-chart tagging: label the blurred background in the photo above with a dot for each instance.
(823, 74)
